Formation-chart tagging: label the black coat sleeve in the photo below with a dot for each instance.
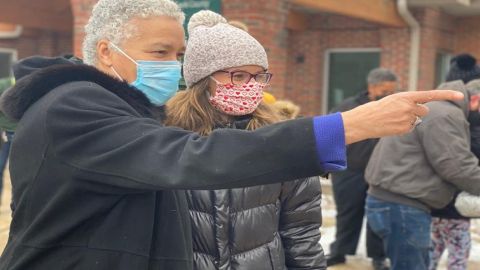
(108, 143)
(300, 221)
(475, 140)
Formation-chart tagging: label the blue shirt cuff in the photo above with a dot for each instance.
(330, 139)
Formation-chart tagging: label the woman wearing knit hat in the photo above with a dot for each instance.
(262, 227)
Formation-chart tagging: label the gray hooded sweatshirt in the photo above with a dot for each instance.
(425, 168)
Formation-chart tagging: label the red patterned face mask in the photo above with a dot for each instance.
(237, 99)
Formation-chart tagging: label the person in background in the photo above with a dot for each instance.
(350, 187)
(226, 228)
(411, 175)
(8, 129)
(451, 230)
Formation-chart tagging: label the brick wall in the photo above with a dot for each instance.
(395, 48)
(467, 36)
(305, 69)
(39, 42)
(437, 35)
(81, 10)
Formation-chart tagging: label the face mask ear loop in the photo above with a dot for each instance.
(122, 52)
(116, 73)
(215, 80)
(218, 84)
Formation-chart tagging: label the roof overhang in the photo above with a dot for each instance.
(457, 8)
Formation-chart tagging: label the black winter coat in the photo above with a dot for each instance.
(94, 175)
(262, 227)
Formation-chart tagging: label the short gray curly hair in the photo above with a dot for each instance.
(380, 75)
(110, 20)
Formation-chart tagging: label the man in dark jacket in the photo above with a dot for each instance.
(95, 175)
(349, 186)
(413, 174)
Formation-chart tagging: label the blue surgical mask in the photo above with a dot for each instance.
(158, 80)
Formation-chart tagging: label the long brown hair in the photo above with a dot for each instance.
(191, 110)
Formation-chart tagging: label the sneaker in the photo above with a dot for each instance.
(334, 260)
(380, 264)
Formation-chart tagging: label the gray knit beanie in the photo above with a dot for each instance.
(215, 45)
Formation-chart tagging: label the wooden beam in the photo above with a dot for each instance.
(297, 21)
(378, 11)
(19, 12)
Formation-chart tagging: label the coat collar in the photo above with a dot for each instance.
(16, 100)
(238, 122)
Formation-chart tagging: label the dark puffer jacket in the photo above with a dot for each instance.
(262, 227)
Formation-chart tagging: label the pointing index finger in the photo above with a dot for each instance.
(433, 95)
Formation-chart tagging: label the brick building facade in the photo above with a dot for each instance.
(299, 56)
(43, 42)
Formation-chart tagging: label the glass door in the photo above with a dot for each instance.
(347, 74)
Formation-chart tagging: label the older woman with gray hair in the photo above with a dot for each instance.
(96, 186)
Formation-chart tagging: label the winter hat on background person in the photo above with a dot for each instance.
(215, 45)
(463, 67)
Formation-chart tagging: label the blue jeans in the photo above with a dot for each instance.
(405, 231)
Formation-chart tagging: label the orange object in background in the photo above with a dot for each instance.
(268, 98)
(6, 27)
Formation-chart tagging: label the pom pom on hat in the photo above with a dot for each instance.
(205, 18)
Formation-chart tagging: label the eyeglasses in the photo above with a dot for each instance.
(242, 77)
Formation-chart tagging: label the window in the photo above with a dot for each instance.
(7, 58)
(442, 65)
(346, 74)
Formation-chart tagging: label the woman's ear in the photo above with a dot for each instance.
(104, 53)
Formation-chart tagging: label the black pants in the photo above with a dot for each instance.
(350, 191)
